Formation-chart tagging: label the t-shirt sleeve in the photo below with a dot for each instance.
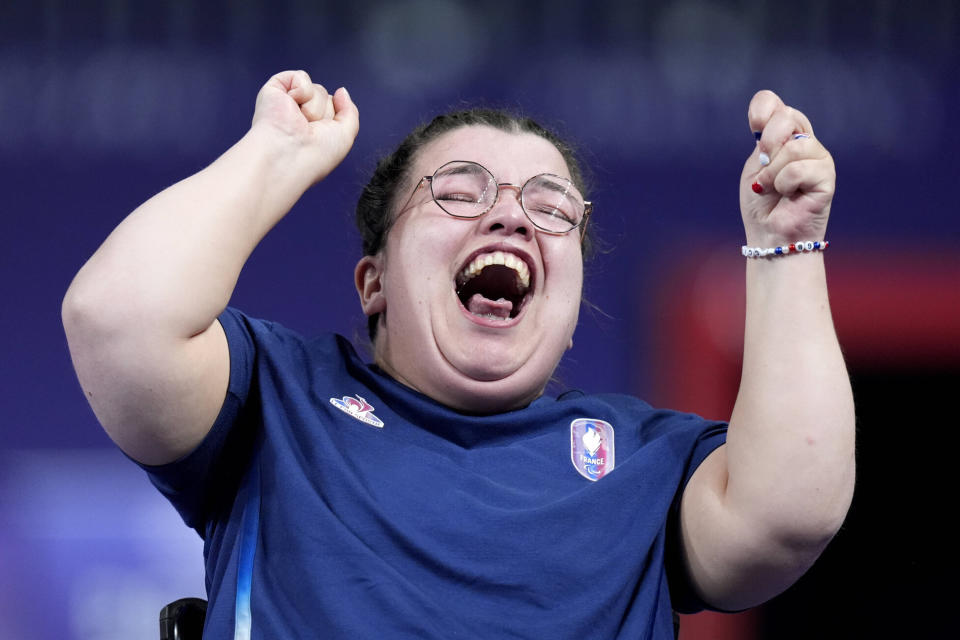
(199, 480)
(711, 437)
(684, 600)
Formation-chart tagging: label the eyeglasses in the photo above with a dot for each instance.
(466, 189)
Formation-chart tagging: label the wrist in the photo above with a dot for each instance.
(808, 246)
(279, 159)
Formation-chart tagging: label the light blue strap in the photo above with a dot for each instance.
(249, 530)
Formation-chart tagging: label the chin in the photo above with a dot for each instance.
(488, 364)
(487, 397)
(481, 382)
(474, 385)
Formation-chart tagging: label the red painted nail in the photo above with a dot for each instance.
(756, 187)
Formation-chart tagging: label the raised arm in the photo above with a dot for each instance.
(759, 510)
(140, 316)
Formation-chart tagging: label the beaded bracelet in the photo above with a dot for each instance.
(797, 247)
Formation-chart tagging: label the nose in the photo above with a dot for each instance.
(507, 215)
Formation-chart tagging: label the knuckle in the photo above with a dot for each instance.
(792, 172)
(792, 152)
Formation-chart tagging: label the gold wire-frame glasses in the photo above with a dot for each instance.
(464, 189)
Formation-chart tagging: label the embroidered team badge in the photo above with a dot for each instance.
(358, 408)
(592, 447)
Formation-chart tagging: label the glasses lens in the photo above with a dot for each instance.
(552, 203)
(464, 189)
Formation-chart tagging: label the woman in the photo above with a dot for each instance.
(437, 492)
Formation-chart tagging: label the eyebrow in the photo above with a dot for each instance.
(471, 167)
(464, 168)
(553, 185)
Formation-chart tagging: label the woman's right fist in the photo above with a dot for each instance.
(321, 127)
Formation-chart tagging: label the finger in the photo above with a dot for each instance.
(783, 123)
(282, 82)
(328, 109)
(779, 130)
(783, 127)
(811, 175)
(316, 107)
(798, 146)
(300, 87)
(346, 110)
(805, 126)
(761, 108)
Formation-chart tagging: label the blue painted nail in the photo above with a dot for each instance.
(757, 134)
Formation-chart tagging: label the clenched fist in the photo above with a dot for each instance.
(318, 128)
(788, 181)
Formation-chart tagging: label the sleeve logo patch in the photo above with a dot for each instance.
(592, 447)
(357, 407)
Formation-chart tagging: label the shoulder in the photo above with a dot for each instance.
(610, 401)
(271, 339)
(634, 410)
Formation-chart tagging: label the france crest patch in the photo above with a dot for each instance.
(592, 447)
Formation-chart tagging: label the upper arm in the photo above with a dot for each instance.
(731, 560)
(157, 398)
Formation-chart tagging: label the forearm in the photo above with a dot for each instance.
(172, 264)
(790, 447)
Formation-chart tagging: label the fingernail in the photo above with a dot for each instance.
(757, 134)
(764, 158)
(756, 187)
(798, 136)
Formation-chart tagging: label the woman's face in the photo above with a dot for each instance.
(477, 339)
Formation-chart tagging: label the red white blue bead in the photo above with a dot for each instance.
(796, 247)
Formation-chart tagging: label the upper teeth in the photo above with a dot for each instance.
(497, 257)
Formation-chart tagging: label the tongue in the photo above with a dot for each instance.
(478, 305)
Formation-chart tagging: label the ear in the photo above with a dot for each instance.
(368, 278)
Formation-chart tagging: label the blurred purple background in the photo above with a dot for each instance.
(104, 104)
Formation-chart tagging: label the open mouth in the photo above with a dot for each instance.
(494, 285)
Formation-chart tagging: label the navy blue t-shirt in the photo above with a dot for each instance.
(336, 502)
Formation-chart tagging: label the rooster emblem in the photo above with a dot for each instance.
(357, 407)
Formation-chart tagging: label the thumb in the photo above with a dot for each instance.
(345, 111)
(761, 109)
